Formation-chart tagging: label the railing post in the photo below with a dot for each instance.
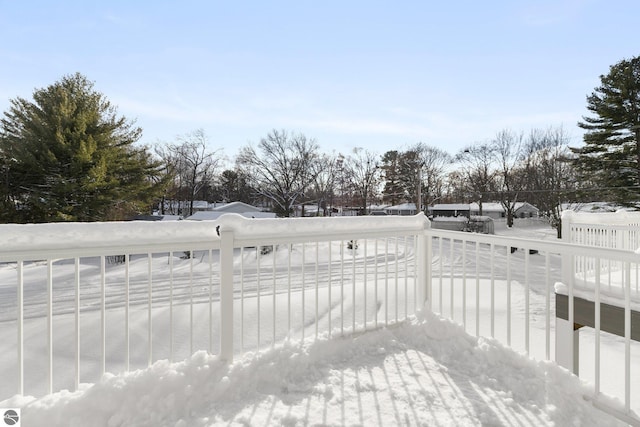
(567, 336)
(226, 293)
(567, 345)
(424, 267)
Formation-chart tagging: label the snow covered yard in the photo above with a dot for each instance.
(426, 371)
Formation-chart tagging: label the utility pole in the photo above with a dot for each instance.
(419, 204)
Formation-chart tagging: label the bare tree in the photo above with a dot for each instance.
(364, 176)
(432, 163)
(549, 178)
(326, 172)
(507, 146)
(192, 165)
(280, 168)
(477, 171)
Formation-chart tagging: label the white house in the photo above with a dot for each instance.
(403, 209)
(497, 211)
(450, 209)
(241, 208)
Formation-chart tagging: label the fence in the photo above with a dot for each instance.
(78, 300)
(114, 297)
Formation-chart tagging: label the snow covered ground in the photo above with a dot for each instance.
(426, 371)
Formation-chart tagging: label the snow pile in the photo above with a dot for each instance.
(427, 371)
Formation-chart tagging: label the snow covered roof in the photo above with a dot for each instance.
(402, 207)
(497, 207)
(236, 207)
(211, 215)
(451, 207)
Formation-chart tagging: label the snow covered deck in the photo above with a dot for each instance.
(340, 298)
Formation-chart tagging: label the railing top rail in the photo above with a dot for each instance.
(555, 246)
(68, 240)
(321, 228)
(38, 241)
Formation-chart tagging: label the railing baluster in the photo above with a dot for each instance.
(364, 285)
(526, 300)
(103, 315)
(597, 328)
(477, 289)
(259, 294)
(150, 308)
(419, 259)
(493, 289)
(273, 267)
(303, 287)
(77, 322)
(210, 301)
(464, 284)
(50, 324)
(547, 326)
(386, 281)
(627, 338)
(451, 280)
(440, 271)
(242, 298)
(329, 286)
(20, 315)
(508, 296)
(353, 284)
(396, 268)
(273, 276)
(406, 277)
(127, 341)
(171, 306)
(375, 280)
(191, 257)
(342, 287)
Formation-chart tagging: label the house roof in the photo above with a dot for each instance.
(451, 207)
(402, 207)
(497, 207)
(236, 207)
(212, 215)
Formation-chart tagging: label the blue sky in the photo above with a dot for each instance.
(379, 75)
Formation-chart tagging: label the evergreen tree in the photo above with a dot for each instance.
(393, 191)
(611, 154)
(69, 157)
(234, 187)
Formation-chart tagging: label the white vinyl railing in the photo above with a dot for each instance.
(79, 300)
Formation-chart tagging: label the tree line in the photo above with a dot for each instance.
(67, 155)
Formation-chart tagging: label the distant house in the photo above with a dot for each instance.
(497, 211)
(490, 209)
(156, 217)
(526, 210)
(403, 209)
(450, 209)
(241, 208)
